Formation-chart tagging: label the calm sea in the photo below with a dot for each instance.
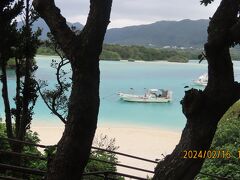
(121, 76)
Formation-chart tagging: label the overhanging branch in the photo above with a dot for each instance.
(57, 23)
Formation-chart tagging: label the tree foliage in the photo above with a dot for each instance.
(104, 142)
(57, 99)
(31, 137)
(101, 141)
(117, 52)
(206, 2)
(82, 49)
(204, 109)
(227, 138)
(8, 12)
(20, 46)
(113, 52)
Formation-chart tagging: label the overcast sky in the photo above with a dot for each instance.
(135, 12)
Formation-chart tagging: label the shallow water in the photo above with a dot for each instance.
(121, 76)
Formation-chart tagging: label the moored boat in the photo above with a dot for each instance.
(202, 80)
(151, 96)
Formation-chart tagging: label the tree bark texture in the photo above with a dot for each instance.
(18, 97)
(6, 100)
(26, 99)
(83, 51)
(204, 109)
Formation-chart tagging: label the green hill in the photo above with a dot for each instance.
(185, 33)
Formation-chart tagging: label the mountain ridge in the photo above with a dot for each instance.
(184, 33)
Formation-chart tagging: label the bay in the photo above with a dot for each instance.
(119, 76)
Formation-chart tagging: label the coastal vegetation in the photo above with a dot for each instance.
(227, 138)
(17, 50)
(82, 50)
(202, 108)
(7, 158)
(93, 165)
(11, 63)
(45, 50)
(119, 52)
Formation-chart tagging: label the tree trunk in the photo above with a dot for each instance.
(26, 114)
(6, 100)
(204, 109)
(18, 98)
(83, 51)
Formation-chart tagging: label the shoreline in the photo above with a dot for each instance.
(139, 61)
(146, 142)
(126, 60)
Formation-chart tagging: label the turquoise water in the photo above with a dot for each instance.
(121, 76)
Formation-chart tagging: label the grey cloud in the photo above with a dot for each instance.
(73, 7)
(142, 10)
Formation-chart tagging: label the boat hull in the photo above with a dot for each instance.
(199, 83)
(146, 100)
(143, 99)
(202, 80)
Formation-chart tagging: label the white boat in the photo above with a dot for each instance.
(202, 80)
(151, 96)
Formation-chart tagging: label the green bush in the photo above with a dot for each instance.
(102, 142)
(118, 52)
(44, 50)
(109, 55)
(25, 162)
(227, 138)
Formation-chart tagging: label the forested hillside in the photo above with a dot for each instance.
(119, 52)
(185, 33)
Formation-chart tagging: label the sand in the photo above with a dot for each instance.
(149, 143)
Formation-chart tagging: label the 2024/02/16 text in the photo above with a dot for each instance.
(209, 154)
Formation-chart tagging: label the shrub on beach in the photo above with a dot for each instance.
(104, 142)
(227, 138)
(25, 162)
(93, 165)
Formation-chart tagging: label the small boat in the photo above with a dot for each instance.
(151, 96)
(202, 80)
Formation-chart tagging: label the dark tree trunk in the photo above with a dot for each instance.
(17, 146)
(18, 98)
(204, 109)
(26, 116)
(6, 100)
(24, 94)
(83, 51)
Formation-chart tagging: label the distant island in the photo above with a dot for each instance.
(184, 33)
(134, 52)
(173, 41)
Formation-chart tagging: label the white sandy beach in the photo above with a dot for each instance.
(149, 143)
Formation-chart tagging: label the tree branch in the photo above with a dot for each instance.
(83, 52)
(98, 20)
(53, 110)
(219, 42)
(57, 23)
(221, 22)
(204, 109)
